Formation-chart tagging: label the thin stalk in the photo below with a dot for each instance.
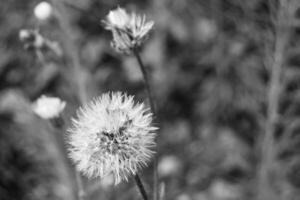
(81, 192)
(77, 70)
(71, 49)
(40, 57)
(152, 106)
(267, 145)
(147, 83)
(141, 187)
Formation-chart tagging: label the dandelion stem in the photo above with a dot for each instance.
(141, 187)
(81, 193)
(152, 106)
(147, 84)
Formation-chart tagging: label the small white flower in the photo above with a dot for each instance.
(111, 135)
(48, 107)
(129, 30)
(43, 10)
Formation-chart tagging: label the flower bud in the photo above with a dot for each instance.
(48, 107)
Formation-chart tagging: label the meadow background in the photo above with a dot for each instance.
(211, 65)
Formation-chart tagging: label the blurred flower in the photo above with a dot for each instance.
(48, 107)
(168, 165)
(31, 39)
(183, 196)
(205, 29)
(222, 190)
(43, 10)
(129, 30)
(111, 135)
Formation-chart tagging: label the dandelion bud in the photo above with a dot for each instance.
(129, 30)
(112, 135)
(48, 107)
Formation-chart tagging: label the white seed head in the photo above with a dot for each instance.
(129, 30)
(48, 107)
(43, 10)
(112, 135)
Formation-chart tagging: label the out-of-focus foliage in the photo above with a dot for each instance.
(32, 166)
(210, 68)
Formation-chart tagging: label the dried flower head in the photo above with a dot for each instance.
(111, 135)
(48, 107)
(129, 30)
(31, 39)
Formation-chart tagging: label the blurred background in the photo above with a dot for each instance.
(210, 62)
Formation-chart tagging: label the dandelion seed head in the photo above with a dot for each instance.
(111, 135)
(129, 31)
(48, 107)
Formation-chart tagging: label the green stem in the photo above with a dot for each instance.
(147, 84)
(140, 186)
(152, 106)
(81, 192)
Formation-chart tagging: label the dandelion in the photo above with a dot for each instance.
(129, 30)
(112, 135)
(48, 107)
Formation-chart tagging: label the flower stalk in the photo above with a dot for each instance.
(146, 79)
(152, 106)
(268, 143)
(71, 49)
(141, 187)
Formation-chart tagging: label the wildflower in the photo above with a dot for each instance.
(129, 30)
(112, 135)
(168, 165)
(31, 39)
(43, 10)
(48, 107)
